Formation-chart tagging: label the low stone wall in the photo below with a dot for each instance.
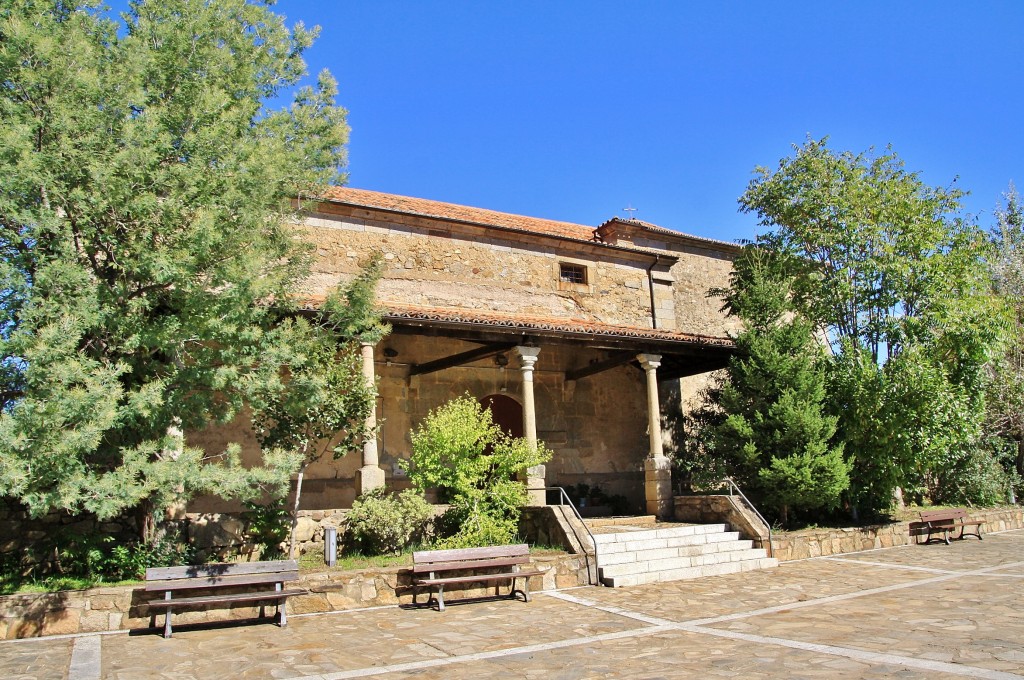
(224, 535)
(124, 608)
(798, 545)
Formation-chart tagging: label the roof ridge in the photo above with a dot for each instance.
(428, 207)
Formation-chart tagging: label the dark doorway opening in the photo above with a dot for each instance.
(506, 412)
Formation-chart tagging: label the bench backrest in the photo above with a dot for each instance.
(470, 558)
(943, 515)
(221, 574)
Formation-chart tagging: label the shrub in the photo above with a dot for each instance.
(381, 523)
(458, 450)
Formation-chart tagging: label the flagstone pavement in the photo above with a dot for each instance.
(932, 611)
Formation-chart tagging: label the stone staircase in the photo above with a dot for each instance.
(636, 550)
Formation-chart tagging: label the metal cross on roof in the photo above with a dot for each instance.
(630, 209)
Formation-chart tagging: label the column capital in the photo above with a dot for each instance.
(528, 355)
(649, 361)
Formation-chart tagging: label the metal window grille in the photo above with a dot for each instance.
(573, 273)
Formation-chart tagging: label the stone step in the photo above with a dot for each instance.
(678, 551)
(646, 521)
(679, 563)
(608, 548)
(690, 572)
(623, 534)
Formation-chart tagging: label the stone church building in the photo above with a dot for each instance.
(582, 337)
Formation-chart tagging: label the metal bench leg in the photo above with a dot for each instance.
(440, 598)
(526, 588)
(282, 613)
(167, 616)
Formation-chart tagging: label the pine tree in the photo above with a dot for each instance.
(147, 259)
(774, 433)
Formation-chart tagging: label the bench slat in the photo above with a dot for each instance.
(475, 564)
(424, 556)
(220, 569)
(222, 581)
(217, 599)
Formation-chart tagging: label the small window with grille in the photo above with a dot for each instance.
(572, 273)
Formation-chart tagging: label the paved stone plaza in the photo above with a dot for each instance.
(931, 611)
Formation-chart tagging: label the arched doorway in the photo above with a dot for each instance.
(506, 412)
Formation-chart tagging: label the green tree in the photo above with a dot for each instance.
(1006, 380)
(146, 254)
(459, 451)
(884, 265)
(320, 401)
(774, 433)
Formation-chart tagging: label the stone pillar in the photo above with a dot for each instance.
(369, 476)
(657, 467)
(536, 475)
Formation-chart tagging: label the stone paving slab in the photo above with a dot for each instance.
(333, 643)
(669, 655)
(35, 659)
(909, 612)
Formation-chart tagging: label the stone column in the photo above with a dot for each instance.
(535, 476)
(657, 467)
(369, 476)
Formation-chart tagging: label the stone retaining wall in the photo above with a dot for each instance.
(798, 545)
(123, 608)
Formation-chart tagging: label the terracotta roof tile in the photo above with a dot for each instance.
(664, 230)
(527, 323)
(450, 211)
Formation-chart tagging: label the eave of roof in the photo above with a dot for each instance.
(640, 225)
(529, 324)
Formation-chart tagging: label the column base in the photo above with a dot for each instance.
(536, 478)
(658, 487)
(368, 478)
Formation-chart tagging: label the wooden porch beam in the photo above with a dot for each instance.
(617, 359)
(461, 358)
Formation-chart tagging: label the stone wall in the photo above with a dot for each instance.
(33, 539)
(436, 264)
(798, 545)
(123, 608)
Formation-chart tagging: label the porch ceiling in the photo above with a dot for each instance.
(682, 354)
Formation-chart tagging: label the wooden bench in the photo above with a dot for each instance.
(944, 522)
(245, 581)
(506, 559)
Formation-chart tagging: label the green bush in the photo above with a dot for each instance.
(459, 451)
(268, 527)
(383, 523)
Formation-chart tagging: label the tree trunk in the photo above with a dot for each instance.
(295, 510)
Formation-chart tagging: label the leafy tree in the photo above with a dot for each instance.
(320, 401)
(883, 266)
(774, 432)
(1006, 385)
(146, 254)
(458, 450)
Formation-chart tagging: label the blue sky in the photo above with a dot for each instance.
(576, 110)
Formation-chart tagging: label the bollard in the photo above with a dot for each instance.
(331, 546)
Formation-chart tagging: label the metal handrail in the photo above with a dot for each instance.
(565, 500)
(733, 486)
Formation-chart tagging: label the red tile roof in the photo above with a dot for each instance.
(450, 211)
(529, 323)
(668, 232)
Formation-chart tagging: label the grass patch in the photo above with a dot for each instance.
(11, 584)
